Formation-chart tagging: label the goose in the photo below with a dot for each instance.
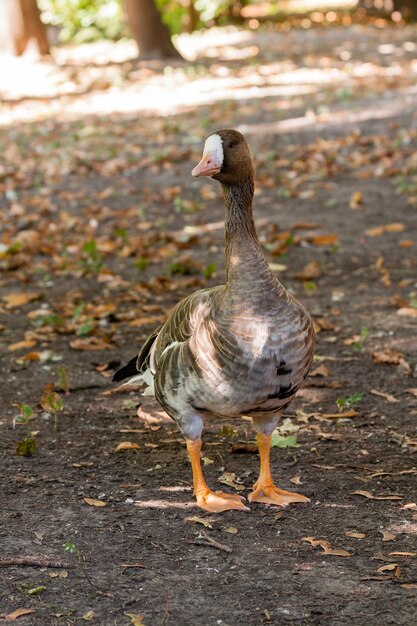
(238, 349)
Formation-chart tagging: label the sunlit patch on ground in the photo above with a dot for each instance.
(104, 78)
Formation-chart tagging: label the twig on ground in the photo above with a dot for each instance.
(32, 561)
(212, 542)
(86, 574)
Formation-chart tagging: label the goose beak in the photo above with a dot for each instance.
(208, 166)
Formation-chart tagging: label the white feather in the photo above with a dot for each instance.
(144, 377)
(174, 344)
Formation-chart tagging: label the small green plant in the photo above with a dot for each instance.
(206, 122)
(283, 192)
(141, 264)
(92, 261)
(129, 404)
(281, 441)
(51, 402)
(63, 378)
(345, 94)
(209, 270)
(85, 328)
(182, 205)
(77, 312)
(30, 590)
(26, 412)
(309, 286)
(14, 248)
(159, 156)
(349, 401)
(48, 319)
(27, 447)
(289, 241)
(363, 334)
(70, 547)
(228, 431)
(186, 267)
(121, 233)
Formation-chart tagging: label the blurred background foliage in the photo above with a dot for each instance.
(81, 21)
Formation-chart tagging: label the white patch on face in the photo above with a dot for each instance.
(214, 144)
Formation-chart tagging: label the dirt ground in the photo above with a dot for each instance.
(104, 229)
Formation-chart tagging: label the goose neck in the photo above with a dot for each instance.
(245, 260)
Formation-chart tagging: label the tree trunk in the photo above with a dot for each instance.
(21, 28)
(149, 31)
(192, 16)
(407, 8)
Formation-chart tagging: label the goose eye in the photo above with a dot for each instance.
(231, 144)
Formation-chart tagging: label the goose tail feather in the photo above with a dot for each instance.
(126, 371)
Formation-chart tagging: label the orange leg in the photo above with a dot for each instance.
(215, 502)
(264, 489)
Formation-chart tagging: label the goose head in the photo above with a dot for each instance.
(226, 158)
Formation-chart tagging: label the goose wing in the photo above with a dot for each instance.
(176, 330)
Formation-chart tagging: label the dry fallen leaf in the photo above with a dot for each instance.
(14, 300)
(323, 240)
(309, 272)
(387, 228)
(326, 547)
(135, 620)
(346, 414)
(93, 502)
(349, 341)
(20, 345)
(408, 528)
(386, 535)
(17, 613)
(367, 494)
(321, 370)
(296, 480)
(403, 553)
(88, 615)
(89, 343)
(382, 394)
(42, 356)
(199, 520)
(387, 568)
(232, 530)
(407, 311)
(356, 199)
(126, 445)
(60, 574)
(354, 534)
(393, 357)
(229, 478)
